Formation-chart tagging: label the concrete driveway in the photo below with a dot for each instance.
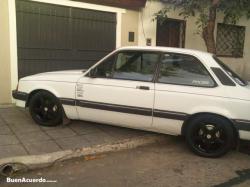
(19, 135)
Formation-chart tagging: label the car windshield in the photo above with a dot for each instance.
(230, 72)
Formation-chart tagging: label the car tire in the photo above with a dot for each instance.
(210, 136)
(46, 109)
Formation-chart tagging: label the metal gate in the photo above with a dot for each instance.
(52, 37)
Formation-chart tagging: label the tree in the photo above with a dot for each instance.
(206, 12)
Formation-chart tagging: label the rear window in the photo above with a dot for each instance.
(231, 73)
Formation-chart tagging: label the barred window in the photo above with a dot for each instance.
(230, 40)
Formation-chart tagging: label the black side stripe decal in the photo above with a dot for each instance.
(125, 109)
(66, 101)
(115, 108)
(242, 124)
(170, 115)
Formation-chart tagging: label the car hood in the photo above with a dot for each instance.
(63, 76)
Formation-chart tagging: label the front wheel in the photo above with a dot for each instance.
(46, 109)
(210, 136)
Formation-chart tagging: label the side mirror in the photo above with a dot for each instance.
(92, 73)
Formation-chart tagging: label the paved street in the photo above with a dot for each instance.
(166, 164)
(19, 135)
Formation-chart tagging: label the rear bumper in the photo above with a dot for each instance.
(243, 127)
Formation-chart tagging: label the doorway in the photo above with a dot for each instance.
(171, 33)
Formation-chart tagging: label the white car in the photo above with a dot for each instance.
(166, 90)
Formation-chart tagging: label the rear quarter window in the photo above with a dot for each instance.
(230, 73)
(184, 70)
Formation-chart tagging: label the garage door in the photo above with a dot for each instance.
(52, 37)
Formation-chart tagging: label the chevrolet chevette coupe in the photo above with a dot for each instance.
(166, 90)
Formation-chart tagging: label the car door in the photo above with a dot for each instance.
(120, 91)
(183, 84)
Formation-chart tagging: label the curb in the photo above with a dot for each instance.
(11, 165)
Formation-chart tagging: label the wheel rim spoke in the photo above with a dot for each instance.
(42, 102)
(219, 141)
(204, 129)
(208, 138)
(38, 110)
(51, 114)
(44, 109)
(197, 138)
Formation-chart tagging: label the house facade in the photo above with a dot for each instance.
(48, 35)
(183, 33)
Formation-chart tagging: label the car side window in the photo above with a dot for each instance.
(184, 70)
(135, 65)
(105, 68)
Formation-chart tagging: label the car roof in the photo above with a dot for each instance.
(166, 49)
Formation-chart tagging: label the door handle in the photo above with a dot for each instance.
(143, 87)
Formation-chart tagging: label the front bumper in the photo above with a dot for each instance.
(19, 95)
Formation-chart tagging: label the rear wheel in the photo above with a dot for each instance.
(210, 136)
(46, 109)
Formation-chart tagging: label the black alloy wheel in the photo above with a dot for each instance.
(46, 109)
(210, 136)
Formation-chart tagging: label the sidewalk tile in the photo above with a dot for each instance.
(73, 142)
(99, 138)
(41, 147)
(52, 128)
(2, 122)
(17, 120)
(5, 130)
(8, 140)
(12, 150)
(24, 127)
(36, 136)
(61, 133)
(11, 114)
(84, 127)
(9, 110)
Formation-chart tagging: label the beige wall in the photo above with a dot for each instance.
(192, 40)
(129, 24)
(5, 76)
(240, 64)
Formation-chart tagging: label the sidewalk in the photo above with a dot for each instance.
(20, 136)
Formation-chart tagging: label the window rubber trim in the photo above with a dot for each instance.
(190, 85)
(140, 51)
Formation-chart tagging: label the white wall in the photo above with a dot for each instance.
(5, 80)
